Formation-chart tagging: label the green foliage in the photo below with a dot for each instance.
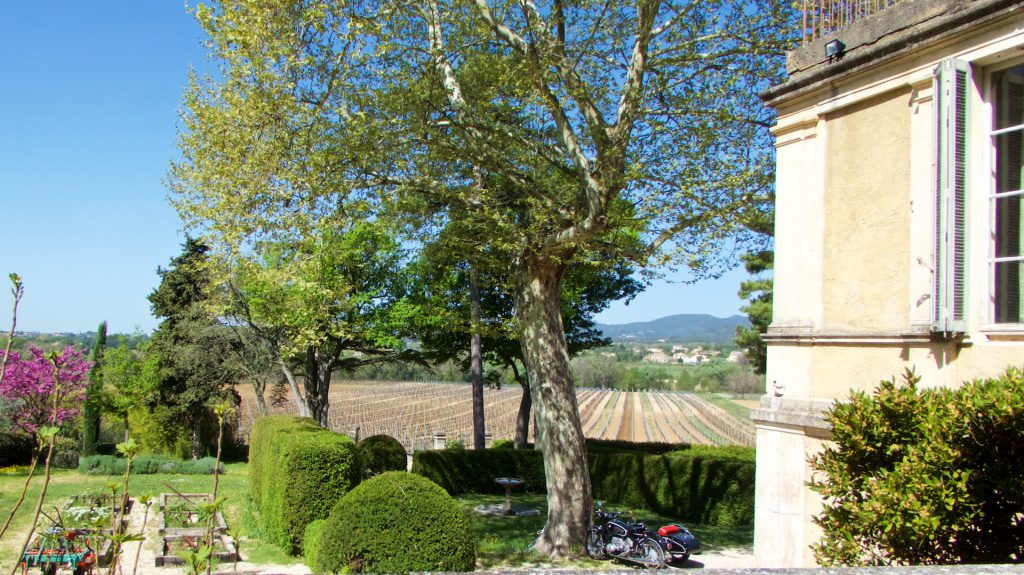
(147, 465)
(312, 541)
(503, 444)
(599, 371)
(159, 430)
(396, 522)
(703, 484)
(333, 301)
(380, 453)
(91, 407)
(758, 291)
(924, 476)
(15, 449)
(297, 471)
(194, 351)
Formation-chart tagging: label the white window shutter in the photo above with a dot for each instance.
(952, 82)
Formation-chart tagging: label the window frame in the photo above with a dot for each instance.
(989, 133)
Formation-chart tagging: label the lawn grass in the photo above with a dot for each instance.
(501, 541)
(234, 487)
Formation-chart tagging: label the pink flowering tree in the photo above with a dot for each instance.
(30, 384)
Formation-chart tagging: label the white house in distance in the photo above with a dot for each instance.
(900, 141)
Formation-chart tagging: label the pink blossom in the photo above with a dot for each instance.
(29, 383)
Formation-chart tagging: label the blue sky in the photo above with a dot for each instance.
(89, 93)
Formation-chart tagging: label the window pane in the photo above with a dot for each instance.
(1009, 149)
(1007, 292)
(1008, 107)
(1009, 93)
(1008, 224)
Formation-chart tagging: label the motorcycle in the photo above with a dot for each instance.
(621, 539)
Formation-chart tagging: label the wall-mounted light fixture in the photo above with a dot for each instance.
(834, 50)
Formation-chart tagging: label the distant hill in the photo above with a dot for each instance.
(686, 327)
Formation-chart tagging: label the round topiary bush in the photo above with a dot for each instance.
(503, 444)
(381, 453)
(395, 522)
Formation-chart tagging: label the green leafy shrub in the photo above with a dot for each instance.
(160, 431)
(924, 476)
(503, 444)
(312, 540)
(147, 465)
(297, 471)
(380, 453)
(15, 449)
(396, 522)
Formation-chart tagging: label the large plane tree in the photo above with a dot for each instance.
(549, 130)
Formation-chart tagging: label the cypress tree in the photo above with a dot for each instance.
(91, 409)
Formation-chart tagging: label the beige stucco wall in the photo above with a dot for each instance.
(867, 216)
(854, 261)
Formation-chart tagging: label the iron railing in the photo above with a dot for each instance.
(823, 17)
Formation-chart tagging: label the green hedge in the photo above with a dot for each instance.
(297, 471)
(703, 484)
(147, 465)
(312, 541)
(699, 489)
(380, 453)
(461, 471)
(395, 522)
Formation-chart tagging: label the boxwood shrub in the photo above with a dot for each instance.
(297, 471)
(703, 484)
(395, 522)
(380, 453)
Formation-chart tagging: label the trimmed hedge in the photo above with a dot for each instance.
(311, 541)
(297, 471)
(147, 465)
(460, 471)
(395, 522)
(706, 485)
(380, 453)
(699, 489)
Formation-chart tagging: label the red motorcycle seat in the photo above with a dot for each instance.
(668, 530)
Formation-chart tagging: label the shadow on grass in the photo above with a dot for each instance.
(507, 541)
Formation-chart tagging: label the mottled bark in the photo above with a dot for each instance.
(559, 433)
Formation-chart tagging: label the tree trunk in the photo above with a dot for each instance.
(296, 394)
(559, 433)
(197, 443)
(317, 385)
(523, 419)
(259, 385)
(476, 360)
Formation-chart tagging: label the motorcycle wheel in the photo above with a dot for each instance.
(595, 546)
(650, 554)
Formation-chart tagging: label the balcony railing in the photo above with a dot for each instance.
(823, 17)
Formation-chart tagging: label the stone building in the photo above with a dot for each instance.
(900, 141)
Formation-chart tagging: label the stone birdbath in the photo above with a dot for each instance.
(508, 483)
